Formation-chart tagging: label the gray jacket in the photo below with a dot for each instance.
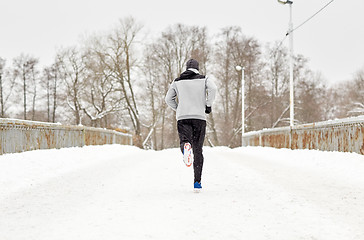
(189, 94)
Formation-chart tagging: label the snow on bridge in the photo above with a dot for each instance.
(121, 192)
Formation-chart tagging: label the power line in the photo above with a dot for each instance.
(281, 42)
(274, 52)
(310, 17)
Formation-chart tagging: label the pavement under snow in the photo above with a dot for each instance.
(121, 192)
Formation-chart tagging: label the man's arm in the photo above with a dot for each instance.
(171, 97)
(211, 92)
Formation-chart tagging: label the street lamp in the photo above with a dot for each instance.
(290, 33)
(240, 68)
(285, 2)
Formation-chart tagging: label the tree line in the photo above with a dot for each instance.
(119, 79)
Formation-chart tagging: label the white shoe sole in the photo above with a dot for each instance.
(187, 154)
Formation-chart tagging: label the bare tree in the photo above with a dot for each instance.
(55, 87)
(109, 81)
(25, 71)
(165, 60)
(228, 82)
(277, 75)
(2, 67)
(160, 69)
(72, 72)
(7, 83)
(103, 99)
(50, 83)
(234, 48)
(310, 93)
(47, 80)
(356, 94)
(246, 52)
(120, 62)
(34, 81)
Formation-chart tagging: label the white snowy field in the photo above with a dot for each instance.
(121, 192)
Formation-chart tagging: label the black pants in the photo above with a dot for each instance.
(193, 131)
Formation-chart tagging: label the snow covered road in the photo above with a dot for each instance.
(121, 192)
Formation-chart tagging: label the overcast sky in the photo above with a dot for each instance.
(333, 41)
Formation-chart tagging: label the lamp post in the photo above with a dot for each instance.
(240, 68)
(290, 33)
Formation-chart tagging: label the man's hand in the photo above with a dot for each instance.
(208, 109)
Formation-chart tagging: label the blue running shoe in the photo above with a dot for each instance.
(197, 187)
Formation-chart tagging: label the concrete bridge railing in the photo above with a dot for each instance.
(344, 135)
(20, 135)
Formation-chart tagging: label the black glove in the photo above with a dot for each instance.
(208, 109)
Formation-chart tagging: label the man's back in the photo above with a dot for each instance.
(190, 88)
(187, 95)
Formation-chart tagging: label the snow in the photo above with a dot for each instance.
(122, 192)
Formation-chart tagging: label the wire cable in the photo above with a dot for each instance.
(310, 17)
(281, 42)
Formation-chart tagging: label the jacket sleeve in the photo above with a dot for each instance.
(171, 97)
(210, 92)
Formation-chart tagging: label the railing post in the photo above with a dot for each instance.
(290, 137)
(83, 137)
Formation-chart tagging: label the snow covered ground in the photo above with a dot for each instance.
(121, 192)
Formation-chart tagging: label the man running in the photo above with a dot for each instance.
(191, 95)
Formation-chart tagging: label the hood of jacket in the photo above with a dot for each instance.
(189, 74)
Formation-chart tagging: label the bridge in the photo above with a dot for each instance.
(122, 192)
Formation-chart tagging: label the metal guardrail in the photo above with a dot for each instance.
(344, 135)
(20, 135)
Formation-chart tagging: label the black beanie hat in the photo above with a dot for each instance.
(192, 63)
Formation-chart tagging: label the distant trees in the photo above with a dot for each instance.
(122, 63)
(310, 93)
(51, 83)
(119, 80)
(355, 94)
(2, 68)
(100, 78)
(25, 70)
(7, 83)
(101, 86)
(72, 72)
(278, 84)
(234, 48)
(165, 60)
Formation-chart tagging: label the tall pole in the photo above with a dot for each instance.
(242, 103)
(239, 68)
(291, 83)
(291, 93)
